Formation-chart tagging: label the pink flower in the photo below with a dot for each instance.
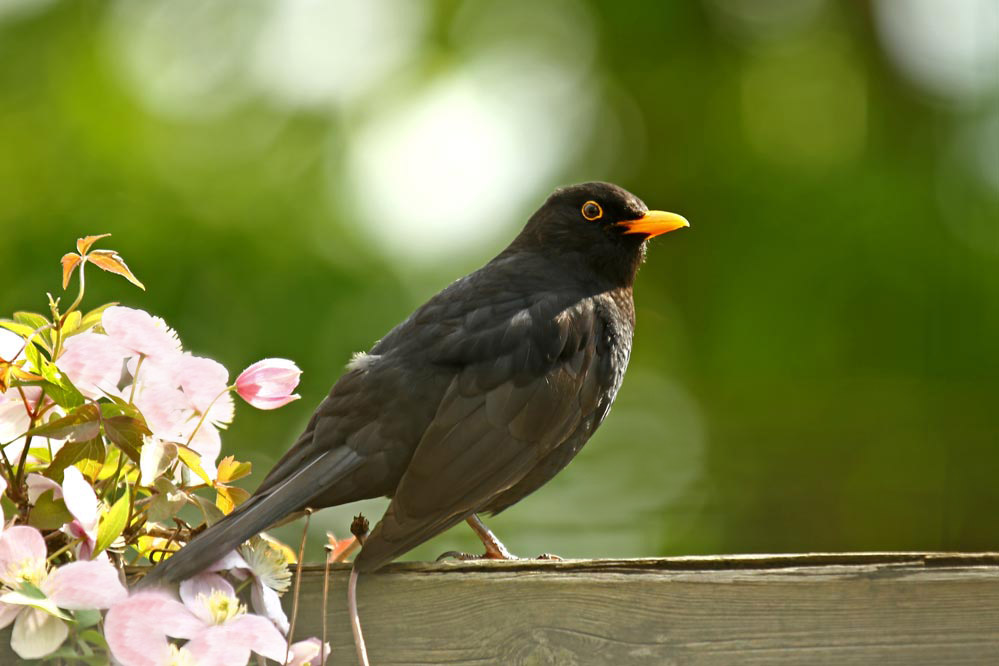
(218, 629)
(173, 395)
(93, 362)
(268, 384)
(39, 628)
(140, 332)
(265, 564)
(309, 652)
(80, 500)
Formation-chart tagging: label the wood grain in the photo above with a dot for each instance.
(822, 608)
(875, 608)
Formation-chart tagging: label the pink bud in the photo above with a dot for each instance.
(268, 384)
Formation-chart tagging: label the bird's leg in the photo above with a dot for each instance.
(495, 550)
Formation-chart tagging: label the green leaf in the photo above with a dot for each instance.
(59, 386)
(22, 599)
(65, 394)
(71, 325)
(78, 425)
(33, 355)
(211, 512)
(87, 618)
(113, 522)
(167, 502)
(21, 329)
(49, 513)
(37, 322)
(110, 464)
(90, 453)
(93, 317)
(32, 319)
(126, 431)
(192, 459)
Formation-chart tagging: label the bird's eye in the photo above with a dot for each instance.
(592, 210)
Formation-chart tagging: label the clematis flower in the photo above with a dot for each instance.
(81, 501)
(140, 332)
(174, 395)
(14, 418)
(268, 384)
(310, 652)
(39, 627)
(93, 362)
(219, 630)
(267, 566)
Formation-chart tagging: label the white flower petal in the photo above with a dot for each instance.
(37, 634)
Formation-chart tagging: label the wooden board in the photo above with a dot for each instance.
(877, 608)
(870, 608)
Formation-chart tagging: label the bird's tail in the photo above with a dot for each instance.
(257, 513)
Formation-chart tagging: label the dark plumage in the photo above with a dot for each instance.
(478, 398)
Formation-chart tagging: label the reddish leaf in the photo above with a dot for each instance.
(83, 244)
(112, 262)
(69, 263)
(79, 425)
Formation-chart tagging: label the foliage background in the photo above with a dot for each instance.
(816, 364)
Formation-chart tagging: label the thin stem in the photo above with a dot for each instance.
(114, 483)
(298, 585)
(135, 378)
(204, 414)
(355, 619)
(326, 596)
(62, 550)
(79, 296)
(33, 416)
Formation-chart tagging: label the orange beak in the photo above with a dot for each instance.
(654, 222)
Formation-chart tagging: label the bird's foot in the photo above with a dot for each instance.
(549, 556)
(466, 557)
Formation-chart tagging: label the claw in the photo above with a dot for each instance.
(456, 554)
(549, 556)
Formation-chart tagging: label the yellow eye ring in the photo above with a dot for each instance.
(591, 210)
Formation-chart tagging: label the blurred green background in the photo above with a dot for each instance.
(816, 363)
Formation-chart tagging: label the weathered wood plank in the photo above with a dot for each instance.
(869, 608)
(884, 608)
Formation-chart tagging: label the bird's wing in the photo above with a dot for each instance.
(521, 387)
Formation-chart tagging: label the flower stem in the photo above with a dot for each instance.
(204, 414)
(135, 378)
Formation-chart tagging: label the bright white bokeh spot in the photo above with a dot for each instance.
(950, 48)
(315, 52)
(184, 58)
(448, 171)
(454, 166)
(439, 174)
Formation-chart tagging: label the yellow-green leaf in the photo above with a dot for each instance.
(231, 470)
(229, 497)
(113, 522)
(49, 513)
(192, 459)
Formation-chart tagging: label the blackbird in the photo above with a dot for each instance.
(477, 399)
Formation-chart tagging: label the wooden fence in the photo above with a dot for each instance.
(870, 608)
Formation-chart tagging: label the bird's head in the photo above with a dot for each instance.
(603, 224)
